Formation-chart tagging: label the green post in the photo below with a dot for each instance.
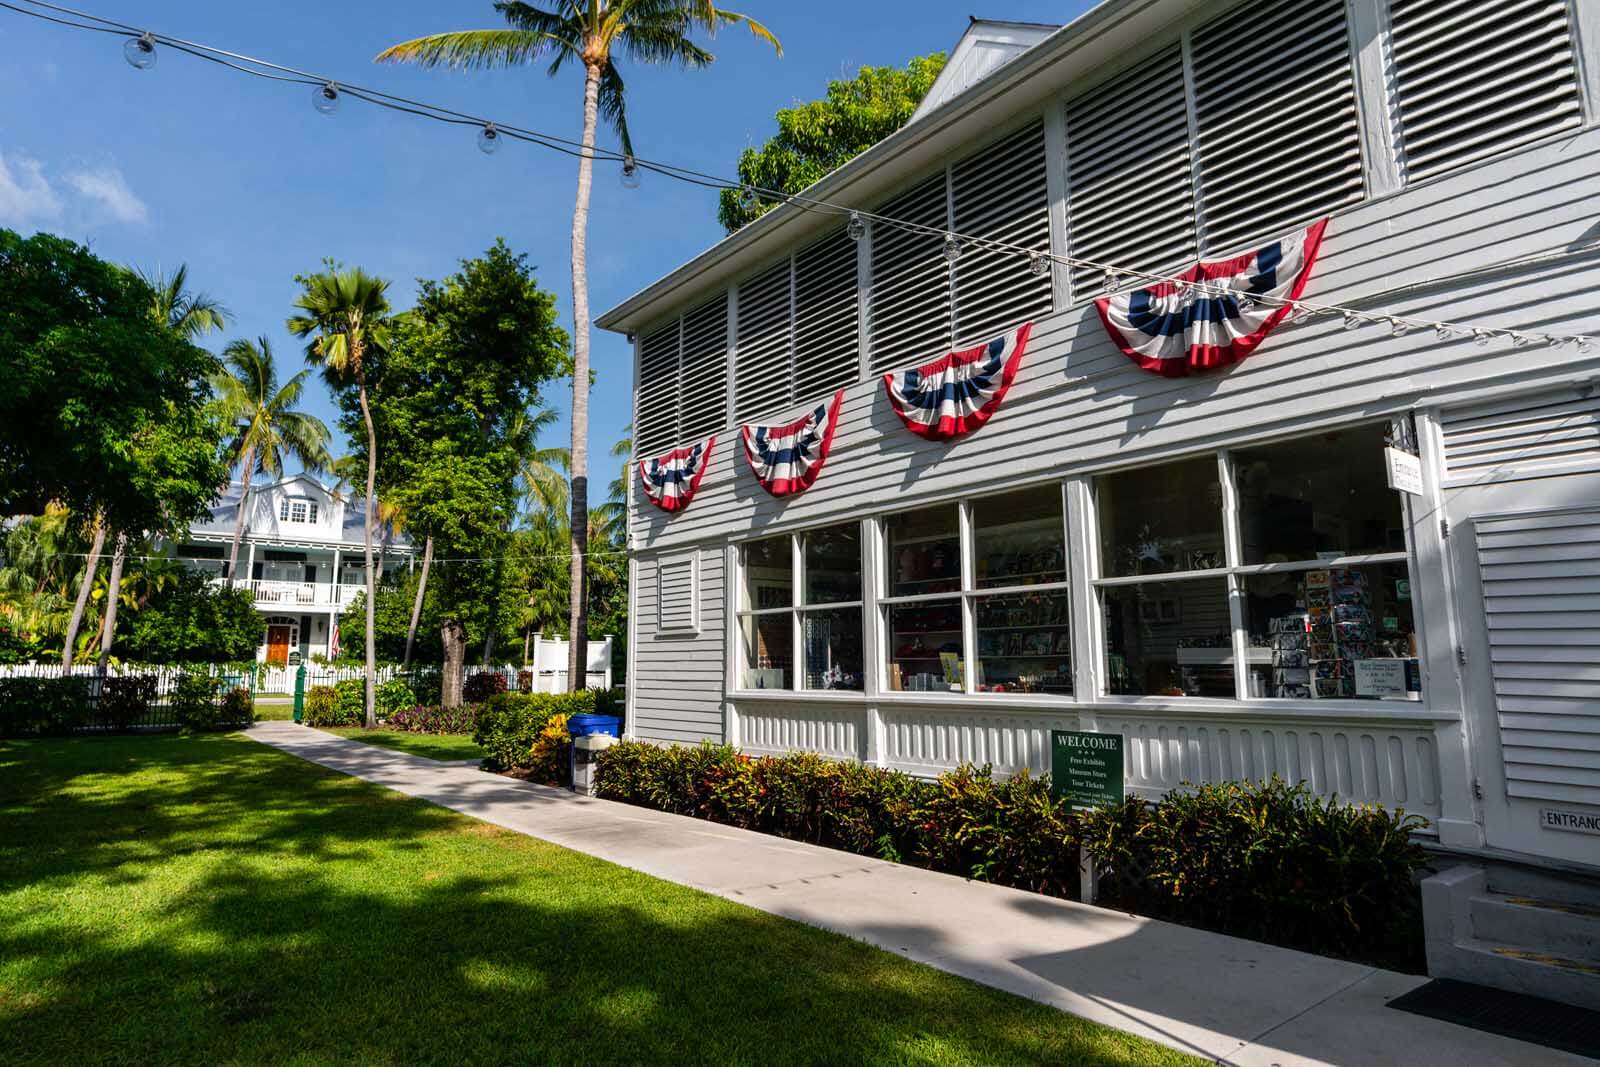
(300, 693)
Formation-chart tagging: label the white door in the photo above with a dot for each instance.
(1521, 490)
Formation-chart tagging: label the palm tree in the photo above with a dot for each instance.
(266, 426)
(190, 315)
(344, 312)
(590, 32)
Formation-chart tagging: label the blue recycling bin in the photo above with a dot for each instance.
(579, 725)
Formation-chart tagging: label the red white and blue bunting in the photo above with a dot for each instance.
(1213, 315)
(957, 393)
(670, 481)
(787, 459)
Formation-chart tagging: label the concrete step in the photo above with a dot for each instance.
(1558, 887)
(1521, 970)
(1570, 931)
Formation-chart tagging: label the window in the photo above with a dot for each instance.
(1015, 591)
(1289, 558)
(297, 509)
(815, 640)
(683, 374)
(1474, 79)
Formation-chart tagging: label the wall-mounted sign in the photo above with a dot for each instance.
(1381, 678)
(1086, 768)
(1405, 471)
(1578, 822)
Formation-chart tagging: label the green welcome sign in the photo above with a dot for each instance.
(1086, 768)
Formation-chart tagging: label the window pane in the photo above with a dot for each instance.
(1020, 538)
(924, 551)
(833, 564)
(768, 651)
(925, 647)
(1169, 639)
(1024, 644)
(768, 574)
(832, 648)
(1317, 497)
(1345, 632)
(1160, 519)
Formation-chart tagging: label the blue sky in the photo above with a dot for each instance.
(242, 180)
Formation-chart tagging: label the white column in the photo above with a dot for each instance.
(338, 575)
(250, 563)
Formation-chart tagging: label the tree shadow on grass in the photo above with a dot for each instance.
(214, 900)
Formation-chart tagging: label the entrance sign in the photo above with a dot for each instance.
(1086, 768)
(1405, 471)
(1578, 822)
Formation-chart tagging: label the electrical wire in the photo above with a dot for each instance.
(271, 71)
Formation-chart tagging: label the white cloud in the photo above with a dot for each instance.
(26, 197)
(108, 191)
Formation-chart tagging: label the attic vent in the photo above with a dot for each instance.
(1524, 436)
(683, 373)
(1000, 194)
(1130, 189)
(1474, 79)
(678, 594)
(911, 280)
(1279, 142)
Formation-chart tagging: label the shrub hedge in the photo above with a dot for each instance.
(433, 719)
(509, 724)
(62, 706)
(1260, 860)
(480, 687)
(322, 706)
(390, 697)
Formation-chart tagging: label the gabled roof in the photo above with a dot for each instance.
(985, 46)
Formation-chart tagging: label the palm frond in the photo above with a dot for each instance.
(476, 49)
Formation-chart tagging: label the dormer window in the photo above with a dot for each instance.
(296, 509)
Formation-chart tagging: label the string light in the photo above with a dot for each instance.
(1520, 340)
(748, 200)
(1400, 327)
(139, 48)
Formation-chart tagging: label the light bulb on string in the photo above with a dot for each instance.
(630, 172)
(1584, 344)
(748, 200)
(1038, 264)
(325, 98)
(1400, 327)
(952, 248)
(1442, 332)
(140, 51)
(1480, 337)
(1112, 280)
(1555, 342)
(489, 139)
(1351, 320)
(1520, 340)
(855, 228)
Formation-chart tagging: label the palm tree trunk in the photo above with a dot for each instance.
(372, 586)
(578, 624)
(416, 607)
(238, 522)
(113, 592)
(84, 585)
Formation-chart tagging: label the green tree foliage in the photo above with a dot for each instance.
(105, 407)
(192, 621)
(823, 135)
(392, 615)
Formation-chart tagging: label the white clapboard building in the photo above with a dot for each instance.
(300, 556)
(1199, 552)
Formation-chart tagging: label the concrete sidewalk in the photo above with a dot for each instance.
(1234, 1001)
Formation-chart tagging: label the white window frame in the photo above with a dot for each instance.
(797, 609)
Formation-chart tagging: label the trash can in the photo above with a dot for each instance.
(591, 734)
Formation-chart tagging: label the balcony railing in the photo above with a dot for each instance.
(270, 593)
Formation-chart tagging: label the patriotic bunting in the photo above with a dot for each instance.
(670, 481)
(1174, 329)
(787, 459)
(957, 393)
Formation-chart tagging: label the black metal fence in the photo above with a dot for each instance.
(66, 704)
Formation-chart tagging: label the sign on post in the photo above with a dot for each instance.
(1086, 768)
(1404, 470)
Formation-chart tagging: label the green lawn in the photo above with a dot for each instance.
(433, 746)
(274, 707)
(210, 899)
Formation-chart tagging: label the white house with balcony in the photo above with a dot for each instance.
(300, 556)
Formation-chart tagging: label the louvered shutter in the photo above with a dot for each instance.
(1541, 598)
(827, 346)
(1524, 435)
(703, 372)
(1473, 78)
(656, 417)
(678, 593)
(1130, 185)
(1000, 194)
(1279, 137)
(910, 299)
(763, 362)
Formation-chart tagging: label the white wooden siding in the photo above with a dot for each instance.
(1472, 79)
(835, 730)
(1521, 437)
(1541, 594)
(677, 681)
